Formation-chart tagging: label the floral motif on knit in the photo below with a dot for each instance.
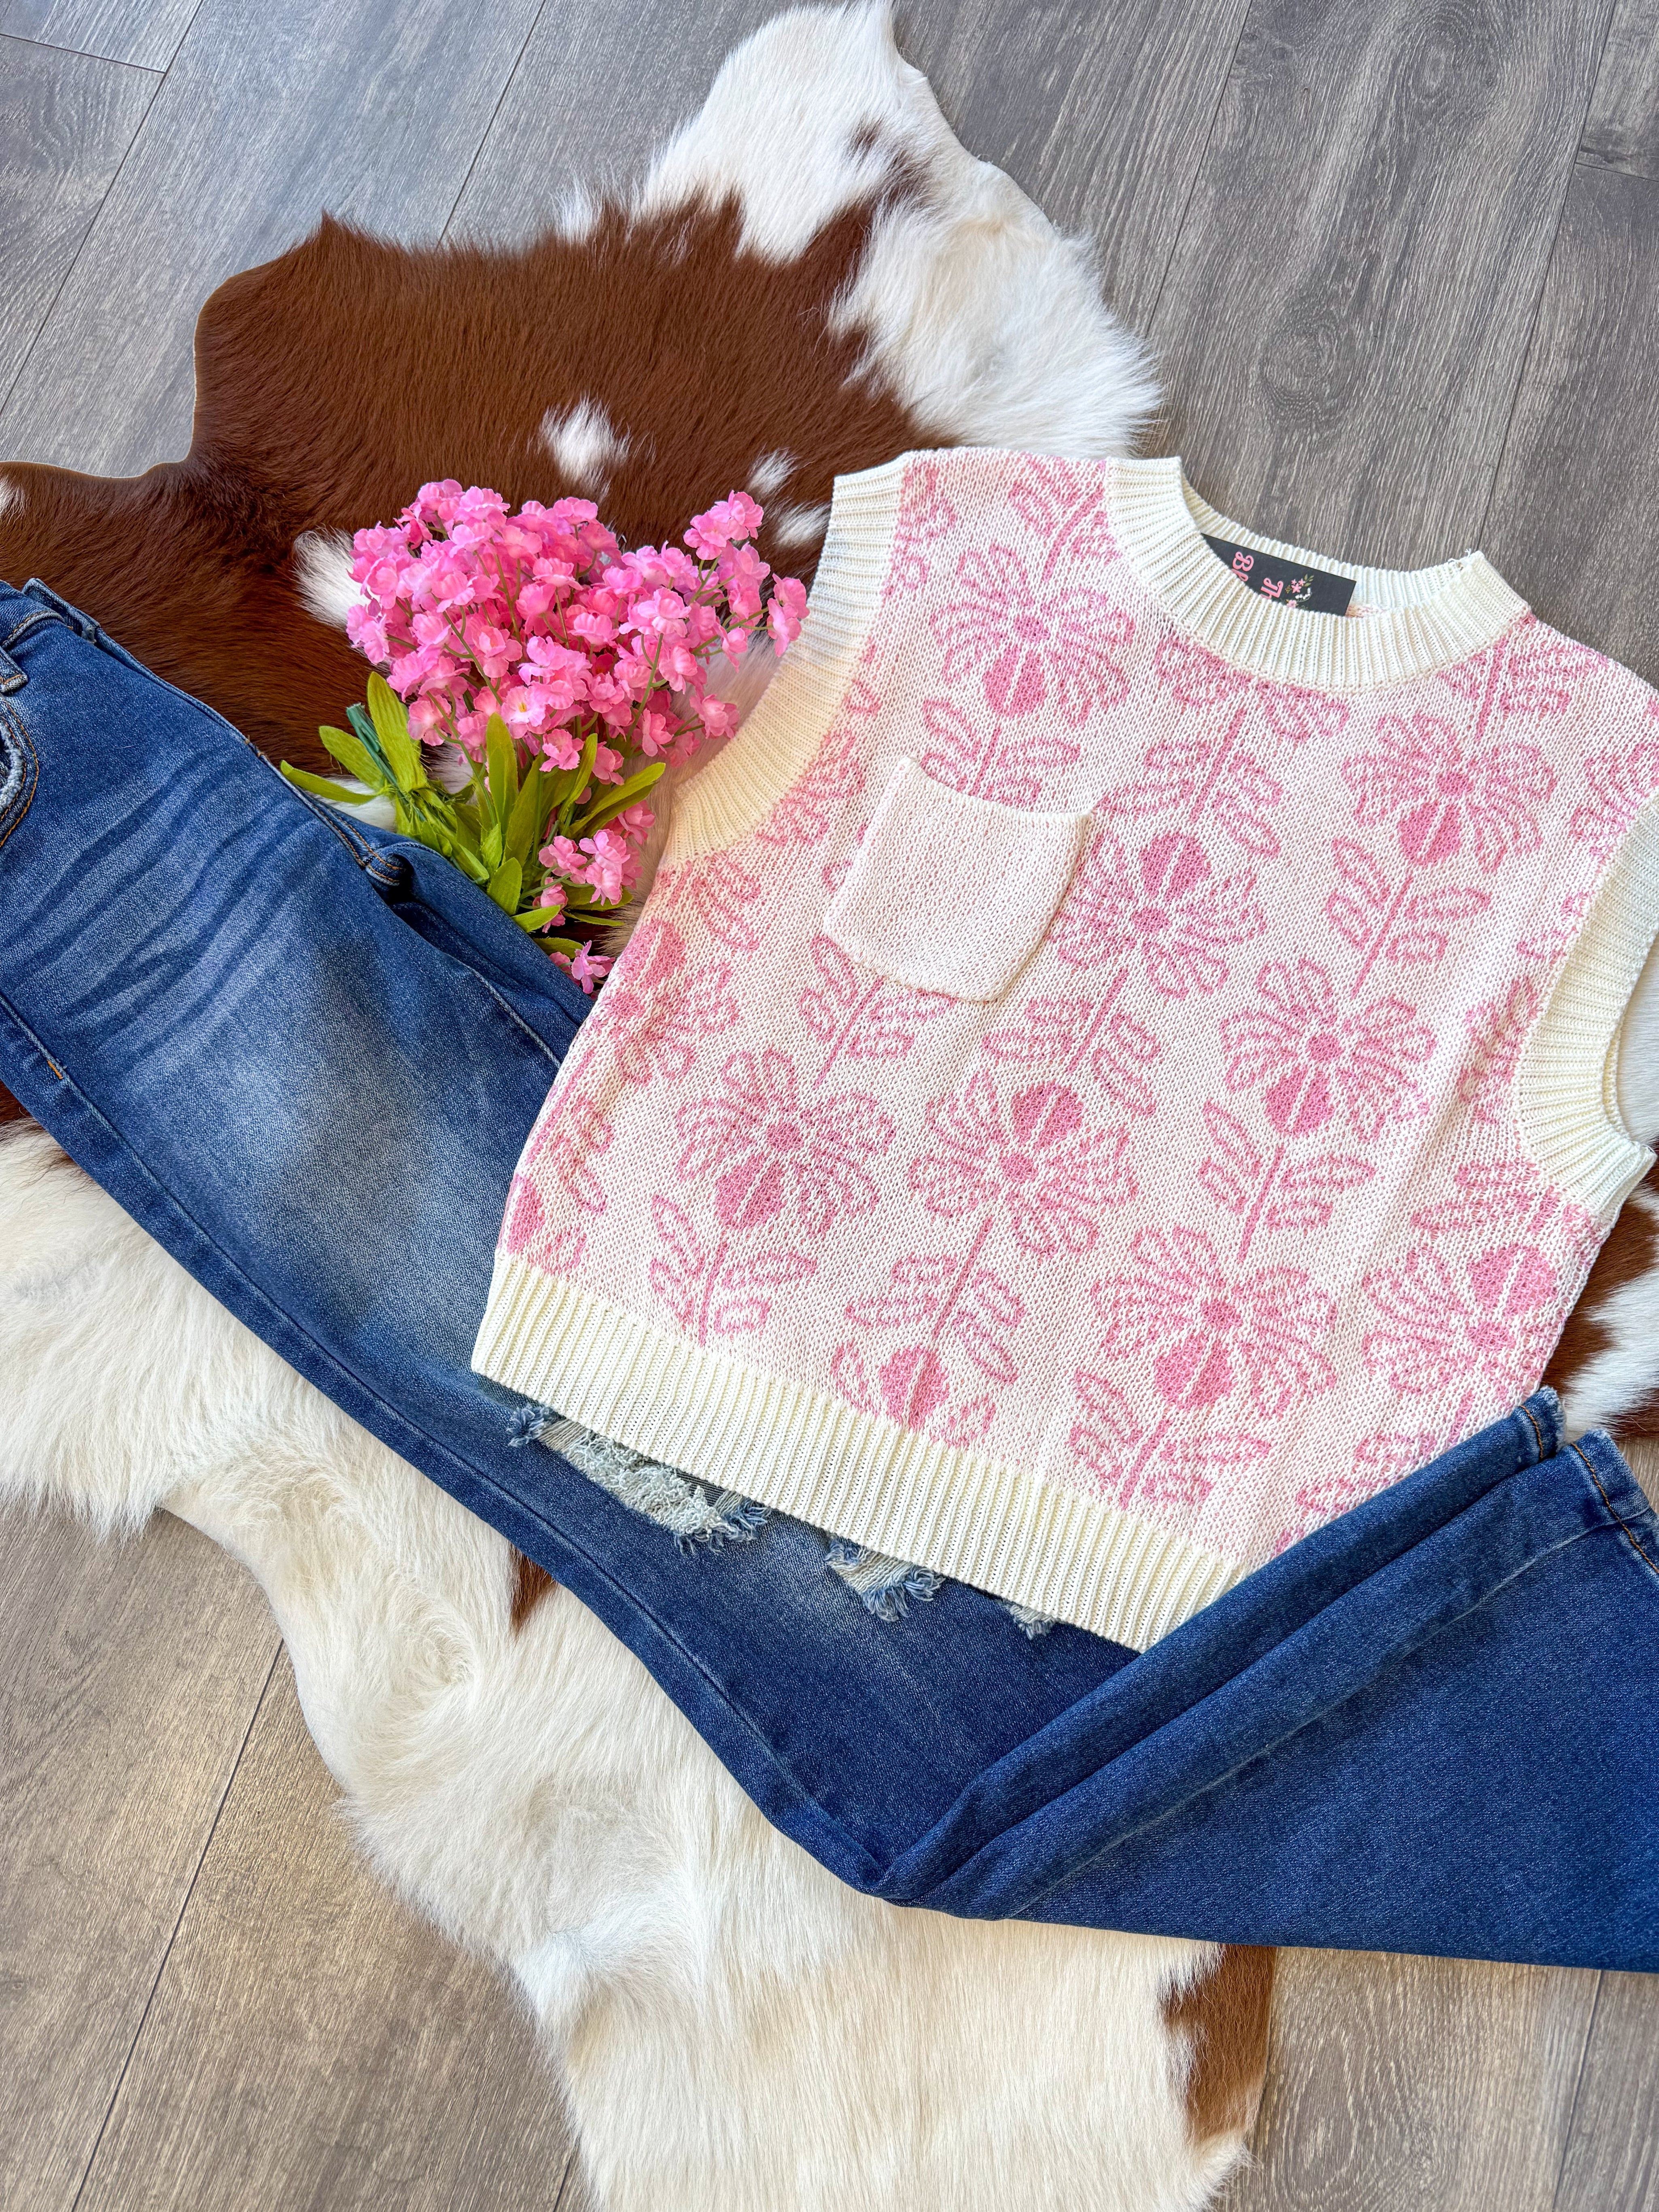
(1276, 1191)
(1494, 1316)
(1212, 1333)
(769, 1151)
(1195, 677)
(659, 1011)
(1027, 649)
(1164, 907)
(1318, 1501)
(986, 761)
(1380, 1460)
(925, 517)
(1511, 1194)
(1390, 1454)
(1444, 793)
(718, 891)
(1551, 938)
(1529, 670)
(804, 813)
(1063, 503)
(1468, 794)
(1072, 1035)
(1621, 782)
(1498, 1030)
(956, 1299)
(1221, 1215)
(1214, 770)
(575, 1134)
(937, 1303)
(1033, 1160)
(1137, 1463)
(1386, 917)
(1477, 1329)
(911, 1385)
(1315, 1062)
(861, 1016)
(526, 1235)
(711, 1289)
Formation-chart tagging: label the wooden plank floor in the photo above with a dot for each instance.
(1400, 262)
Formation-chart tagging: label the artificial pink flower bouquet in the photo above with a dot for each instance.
(570, 671)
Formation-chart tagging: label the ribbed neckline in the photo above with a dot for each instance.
(1419, 619)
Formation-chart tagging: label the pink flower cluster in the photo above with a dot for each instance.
(542, 617)
(587, 650)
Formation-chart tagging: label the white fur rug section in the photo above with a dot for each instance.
(738, 2032)
(988, 322)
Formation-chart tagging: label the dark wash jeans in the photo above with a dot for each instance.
(305, 1056)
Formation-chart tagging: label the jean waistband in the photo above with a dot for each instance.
(23, 611)
(37, 607)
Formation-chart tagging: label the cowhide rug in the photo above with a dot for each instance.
(814, 276)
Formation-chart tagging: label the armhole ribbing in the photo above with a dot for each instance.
(1567, 1086)
(778, 741)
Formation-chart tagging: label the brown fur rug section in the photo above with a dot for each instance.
(334, 380)
(1605, 1364)
(1223, 2015)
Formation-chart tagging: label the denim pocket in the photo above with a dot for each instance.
(951, 893)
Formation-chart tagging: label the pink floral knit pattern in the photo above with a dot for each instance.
(1221, 1215)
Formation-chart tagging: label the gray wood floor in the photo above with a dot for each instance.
(1401, 261)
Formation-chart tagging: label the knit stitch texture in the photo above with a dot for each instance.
(1113, 1070)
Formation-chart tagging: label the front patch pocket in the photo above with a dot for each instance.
(953, 894)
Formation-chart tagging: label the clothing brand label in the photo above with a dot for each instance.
(1295, 585)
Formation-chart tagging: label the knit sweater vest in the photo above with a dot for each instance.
(1115, 1068)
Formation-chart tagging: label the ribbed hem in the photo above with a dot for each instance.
(1567, 1087)
(856, 1475)
(777, 743)
(1420, 619)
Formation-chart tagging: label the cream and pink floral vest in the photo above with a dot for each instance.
(1117, 1066)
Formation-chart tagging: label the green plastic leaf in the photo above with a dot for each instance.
(606, 809)
(525, 819)
(533, 917)
(391, 719)
(435, 807)
(492, 846)
(336, 794)
(354, 756)
(501, 764)
(560, 786)
(581, 774)
(469, 863)
(363, 723)
(505, 886)
(464, 825)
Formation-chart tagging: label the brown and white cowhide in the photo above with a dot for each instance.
(737, 2030)
(813, 277)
